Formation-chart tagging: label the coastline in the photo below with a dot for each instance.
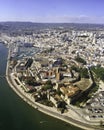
(46, 110)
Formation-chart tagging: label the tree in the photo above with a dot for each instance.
(101, 123)
(31, 81)
(49, 82)
(81, 60)
(99, 71)
(84, 73)
(76, 68)
(48, 85)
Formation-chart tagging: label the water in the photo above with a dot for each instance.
(15, 114)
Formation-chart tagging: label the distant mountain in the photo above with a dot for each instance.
(18, 27)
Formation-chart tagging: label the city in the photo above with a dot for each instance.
(57, 72)
(52, 64)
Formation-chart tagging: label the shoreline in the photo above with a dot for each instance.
(42, 108)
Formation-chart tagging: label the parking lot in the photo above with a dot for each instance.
(95, 107)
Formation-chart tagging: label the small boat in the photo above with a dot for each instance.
(42, 122)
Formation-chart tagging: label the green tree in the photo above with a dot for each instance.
(84, 73)
(48, 85)
(31, 81)
(81, 60)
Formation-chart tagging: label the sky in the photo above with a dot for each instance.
(53, 11)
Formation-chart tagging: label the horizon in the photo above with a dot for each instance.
(49, 22)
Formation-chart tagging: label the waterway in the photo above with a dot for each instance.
(15, 114)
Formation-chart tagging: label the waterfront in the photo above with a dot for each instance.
(15, 114)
